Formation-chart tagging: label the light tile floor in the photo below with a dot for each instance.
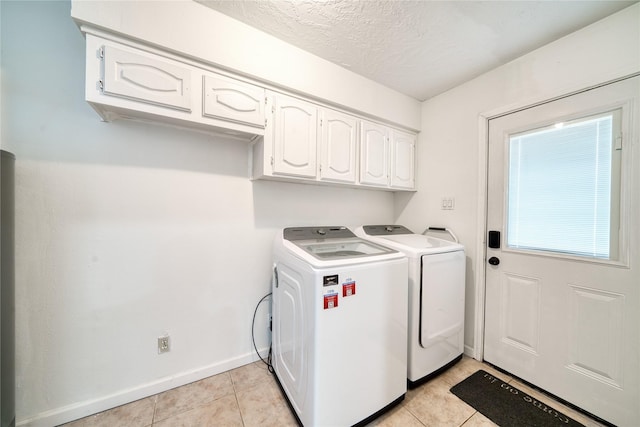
(249, 396)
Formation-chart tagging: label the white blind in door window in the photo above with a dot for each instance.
(560, 188)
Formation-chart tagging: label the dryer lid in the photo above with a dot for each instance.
(402, 239)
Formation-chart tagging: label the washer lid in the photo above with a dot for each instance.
(332, 249)
(333, 243)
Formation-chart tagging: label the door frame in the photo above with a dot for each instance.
(483, 170)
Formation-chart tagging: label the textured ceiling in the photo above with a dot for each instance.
(420, 48)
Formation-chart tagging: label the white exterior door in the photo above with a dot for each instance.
(295, 137)
(563, 289)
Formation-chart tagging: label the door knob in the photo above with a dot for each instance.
(494, 260)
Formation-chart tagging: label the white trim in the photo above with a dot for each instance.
(89, 407)
(478, 333)
(551, 96)
(470, 352)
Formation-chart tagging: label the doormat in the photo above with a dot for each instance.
(507, 406)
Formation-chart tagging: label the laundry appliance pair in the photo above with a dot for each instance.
(342, 345)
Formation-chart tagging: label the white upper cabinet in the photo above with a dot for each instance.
(230, 99)
(145, 77)
(387, 157)
(374, 154)
(125, 79)
(403, 158)
(338, 146)
(294, 137)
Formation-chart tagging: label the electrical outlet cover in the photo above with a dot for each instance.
(163, 344)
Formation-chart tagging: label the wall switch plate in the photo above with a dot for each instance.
(448, 203)
(164, 345)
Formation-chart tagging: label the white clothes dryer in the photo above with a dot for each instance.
(339, 325)
(436, 298)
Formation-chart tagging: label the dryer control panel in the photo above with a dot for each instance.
(385, 230)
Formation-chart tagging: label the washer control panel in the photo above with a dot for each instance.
(307, 233)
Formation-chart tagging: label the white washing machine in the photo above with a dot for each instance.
(339, 325)
(436, 298)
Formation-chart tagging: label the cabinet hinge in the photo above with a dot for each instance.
(273, 109)
(101, 52)
(100, 85)
(265, 122)
(271, 160)
(320, 122)
(265, 100)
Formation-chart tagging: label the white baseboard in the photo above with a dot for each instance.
(79, 410)
(469, 351)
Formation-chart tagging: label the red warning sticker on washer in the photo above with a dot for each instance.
(348, 289)
(330, 301)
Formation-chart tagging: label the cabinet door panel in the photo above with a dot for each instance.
(230, 99)
(295, 137)
(374, 154)
(338, 147)
(403, 160)
(146, 77)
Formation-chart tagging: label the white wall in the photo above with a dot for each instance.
(126, 231)
(451, 145)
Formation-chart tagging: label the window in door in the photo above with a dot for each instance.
(564, 188)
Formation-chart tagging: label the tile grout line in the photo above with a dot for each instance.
(155, 405)
(415, 417)
(235, 396)
(465, 421)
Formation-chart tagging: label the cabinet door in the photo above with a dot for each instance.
(295, 137)
(374, 154)
(403, 146)
(338, 147)
(233, 100)
(146, 77)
